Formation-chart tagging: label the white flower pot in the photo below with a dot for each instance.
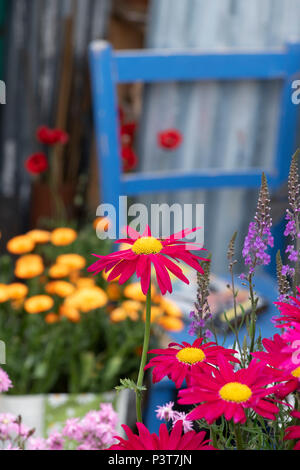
(30, 407)
(46, 413)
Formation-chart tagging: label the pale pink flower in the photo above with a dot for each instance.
(36, 443)
(5, 382)
(165, 412)
(180, 416)
(55, 441)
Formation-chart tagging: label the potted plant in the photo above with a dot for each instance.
(67, 332)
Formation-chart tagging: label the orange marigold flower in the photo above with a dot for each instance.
(120, 314)
(52, 318)
(83, 282)
(101, 223)
(29, 266)
(61, 288)
(38, 304)
(72, 260)
(134, 292)
(17, 291)
(20, 245)
(4, 295)
(39, 236)
(156, 314)
(170, 308)
(171, 323)
(63, 236)
(132, 307)
(59, 271)
(70, 313)
(74, 276)
(87, 299)
(113, 291)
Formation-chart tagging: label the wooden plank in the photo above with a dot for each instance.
(187, 65)
(209, 179)
(106, 122)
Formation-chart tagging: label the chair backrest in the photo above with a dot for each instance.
(109, 68)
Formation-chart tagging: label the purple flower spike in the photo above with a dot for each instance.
(259, 236)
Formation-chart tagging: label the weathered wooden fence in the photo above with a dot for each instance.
(47, 83)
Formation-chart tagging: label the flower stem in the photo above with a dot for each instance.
(236, 330)
(238, 437)
(144, 357)
(253, 314)
(296, 276)
(213, 437)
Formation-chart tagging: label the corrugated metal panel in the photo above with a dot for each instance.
(2, 20)
(226, 125)
(36, 30)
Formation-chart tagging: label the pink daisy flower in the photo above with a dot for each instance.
(146, 251)
(293, 432)
(179, 361)
(229, 393)
(290, 311)
(279, 356)
(292, 334)
(164, 441)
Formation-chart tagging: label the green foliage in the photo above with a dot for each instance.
(131, 385)
(66, 357)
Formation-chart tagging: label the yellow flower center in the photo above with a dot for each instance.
(147, 246)
(296, 373)
(235, 392)
(190, 355)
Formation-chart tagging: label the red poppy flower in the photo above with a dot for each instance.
(229, 393)
(48, 136)
(128, 133)
(129, 159)
(170, 139)
(179, 362)
(36, 163)
(164, 441)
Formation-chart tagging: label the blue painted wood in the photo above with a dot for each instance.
(160, 394)
(288, 120)
(167, 65)
(106, 122)
(210, 179)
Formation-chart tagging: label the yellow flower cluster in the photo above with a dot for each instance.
(61, 280)
(15, 292)
(164, 312)
(24, 244)
(78, 295)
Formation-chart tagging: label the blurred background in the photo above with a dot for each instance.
(49, 170)
(44, 63)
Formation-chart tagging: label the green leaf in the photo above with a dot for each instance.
(131, 385)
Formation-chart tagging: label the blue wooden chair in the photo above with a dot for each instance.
(109, 68)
